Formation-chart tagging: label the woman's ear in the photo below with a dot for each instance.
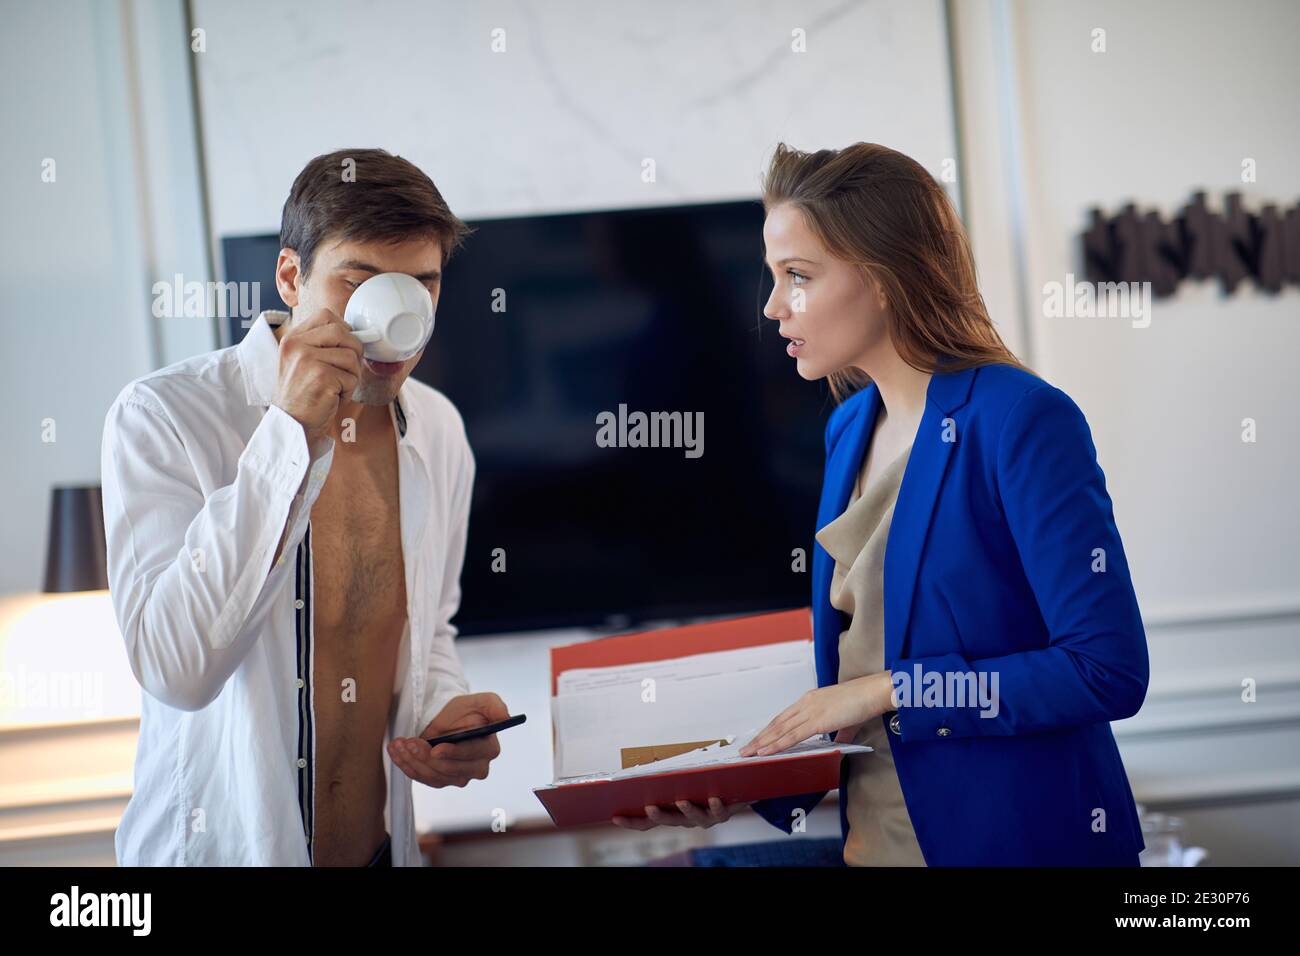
(882, 300)
(875, 288)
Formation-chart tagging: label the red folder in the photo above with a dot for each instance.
(597, 801)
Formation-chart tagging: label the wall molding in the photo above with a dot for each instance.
(1239, 610)
(66, 785)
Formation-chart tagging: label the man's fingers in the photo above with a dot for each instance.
(417, 772)
(318, 319)
(487, 705)
(322, 330)
(439, 774)
(340, 358)
(417, 768)
(476, 771)
(449, 764)
(333, 335)
(481, 748)
(337, 381)
(452, 764)
(335, 374)
(451, 767)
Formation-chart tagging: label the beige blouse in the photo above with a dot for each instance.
(880, 830)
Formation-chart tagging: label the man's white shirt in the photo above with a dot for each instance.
(201, 475)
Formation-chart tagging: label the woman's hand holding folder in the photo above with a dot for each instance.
(687, 814)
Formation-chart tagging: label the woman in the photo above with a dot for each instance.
(985, 657)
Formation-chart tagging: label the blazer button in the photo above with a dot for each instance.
(893, 725)
(943, 731)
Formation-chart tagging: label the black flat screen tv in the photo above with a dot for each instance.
(551, 332)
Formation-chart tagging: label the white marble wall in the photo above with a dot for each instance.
(584, 92)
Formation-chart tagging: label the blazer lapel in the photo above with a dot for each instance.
(926, 467)
(846, 460)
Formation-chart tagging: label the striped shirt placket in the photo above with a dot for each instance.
(306, 730)
(401, 418)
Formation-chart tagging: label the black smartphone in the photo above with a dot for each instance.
(474, 732)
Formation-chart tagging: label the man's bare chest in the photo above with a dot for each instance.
(359, 595)
(357, 562)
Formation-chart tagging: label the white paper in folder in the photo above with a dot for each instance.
(726, 753)
(719, 695)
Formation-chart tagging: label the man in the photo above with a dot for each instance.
(286, 527)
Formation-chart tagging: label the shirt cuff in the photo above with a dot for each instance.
(278, 452)
(320, 457)
(308, 467)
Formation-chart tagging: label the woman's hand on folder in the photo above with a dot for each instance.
(687, 814)
(830, 709)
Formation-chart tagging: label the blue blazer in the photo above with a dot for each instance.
(1003, 564)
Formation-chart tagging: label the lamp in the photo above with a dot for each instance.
(77, 556)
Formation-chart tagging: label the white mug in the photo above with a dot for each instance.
(392, 313)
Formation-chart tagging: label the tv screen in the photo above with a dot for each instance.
(645, 448)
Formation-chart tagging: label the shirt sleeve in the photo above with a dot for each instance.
(1094, 665)
(191, 577)
(445, 676)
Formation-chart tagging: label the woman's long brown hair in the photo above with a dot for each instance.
(882, 211)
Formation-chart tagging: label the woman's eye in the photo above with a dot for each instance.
(350, 284)
(798, 277)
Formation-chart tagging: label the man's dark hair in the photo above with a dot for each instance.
(363, 195)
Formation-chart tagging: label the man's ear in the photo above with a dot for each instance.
(288, 277)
